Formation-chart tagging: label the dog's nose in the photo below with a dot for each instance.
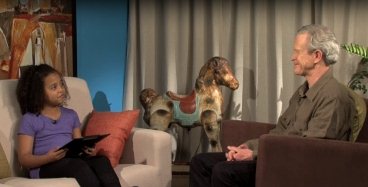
(235, 84)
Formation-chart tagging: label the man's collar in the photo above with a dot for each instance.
(311, 93)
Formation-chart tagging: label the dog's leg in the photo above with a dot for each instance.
(160, 120)
(211, 124)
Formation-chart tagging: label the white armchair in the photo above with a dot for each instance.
(146, 159)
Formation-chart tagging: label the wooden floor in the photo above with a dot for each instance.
(180, 175)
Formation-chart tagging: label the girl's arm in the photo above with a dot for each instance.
(28, 160)
(77, 133)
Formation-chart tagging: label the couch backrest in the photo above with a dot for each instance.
(80, 99)
(234, 132)
(363, 134)
(10, 114)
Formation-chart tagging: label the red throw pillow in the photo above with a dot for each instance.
(118, 125)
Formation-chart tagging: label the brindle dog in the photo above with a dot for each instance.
(202, 107)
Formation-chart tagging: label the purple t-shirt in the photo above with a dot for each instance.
(47, 133)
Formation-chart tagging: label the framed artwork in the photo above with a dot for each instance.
(36, 32)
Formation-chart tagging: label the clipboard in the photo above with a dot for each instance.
(76, 146)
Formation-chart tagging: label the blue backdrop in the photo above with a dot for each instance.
(101, 35)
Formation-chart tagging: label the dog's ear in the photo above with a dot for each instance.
(143, 97)
(216, 63)
(146, 96)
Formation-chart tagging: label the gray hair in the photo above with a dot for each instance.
(321, 38)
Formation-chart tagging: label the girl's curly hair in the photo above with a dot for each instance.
(30, 88)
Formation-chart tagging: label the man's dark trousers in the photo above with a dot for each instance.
(212, 170)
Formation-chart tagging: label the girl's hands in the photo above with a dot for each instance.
(90, 151)
(56, 154)
(239, 153)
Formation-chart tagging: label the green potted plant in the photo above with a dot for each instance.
(359, 80)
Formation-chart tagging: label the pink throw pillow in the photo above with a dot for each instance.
(118, 125)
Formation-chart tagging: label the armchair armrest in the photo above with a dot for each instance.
(295, 161)
(236, 132)
(149, 147)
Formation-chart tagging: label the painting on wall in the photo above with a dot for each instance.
(36, 32)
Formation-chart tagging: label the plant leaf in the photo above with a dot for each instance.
(356, 49)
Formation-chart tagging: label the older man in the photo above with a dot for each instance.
(320, 108)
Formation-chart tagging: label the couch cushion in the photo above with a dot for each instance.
(4, 185)
(138, 175)
(4, 165)
(118, 125)
(26, 182)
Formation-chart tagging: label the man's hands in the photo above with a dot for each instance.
(240, 153)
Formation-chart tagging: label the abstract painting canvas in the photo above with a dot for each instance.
(35, 32)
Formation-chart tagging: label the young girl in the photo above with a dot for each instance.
(46, 126)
